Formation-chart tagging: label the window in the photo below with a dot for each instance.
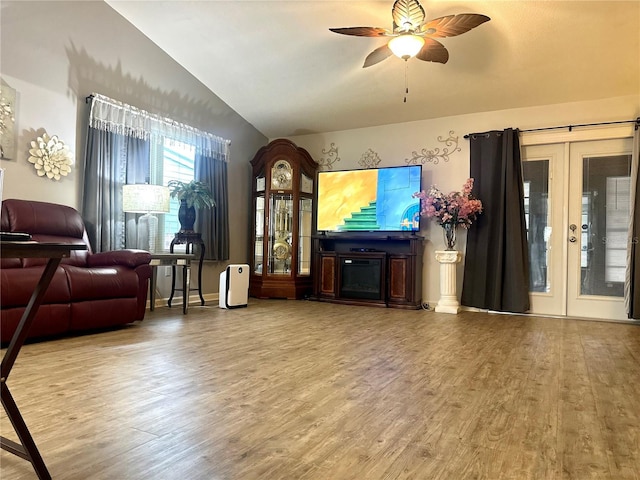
(151, 159)
(171, 160)
(538, 222)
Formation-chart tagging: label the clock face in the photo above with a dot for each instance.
(281, 175)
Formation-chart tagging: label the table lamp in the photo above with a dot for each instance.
(146, 199)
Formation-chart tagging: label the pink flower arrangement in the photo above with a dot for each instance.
(456, 208)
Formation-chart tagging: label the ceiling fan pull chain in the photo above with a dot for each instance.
(406, 80)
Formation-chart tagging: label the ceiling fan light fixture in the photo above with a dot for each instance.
(406, 45)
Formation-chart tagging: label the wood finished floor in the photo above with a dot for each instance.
(306, 390)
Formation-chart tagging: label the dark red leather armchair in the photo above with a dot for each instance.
(88, 291)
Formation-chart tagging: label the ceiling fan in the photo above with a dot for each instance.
(412, 36)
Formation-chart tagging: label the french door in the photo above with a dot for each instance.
(577, 203)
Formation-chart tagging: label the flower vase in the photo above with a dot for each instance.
(449, 232)
(186, 217)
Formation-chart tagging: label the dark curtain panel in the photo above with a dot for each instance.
(632, 287)
(111, 160)
(496, 268)
(213, 223)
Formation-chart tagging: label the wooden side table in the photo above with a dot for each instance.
(54, 252)
(189, 239)
(175, 260)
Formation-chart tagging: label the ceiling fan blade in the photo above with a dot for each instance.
(362, 31)
(433, 51)
(452, 25)
(407, 15)
(377, 56)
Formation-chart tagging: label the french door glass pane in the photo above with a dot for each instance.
(605, 223)
(538, 222)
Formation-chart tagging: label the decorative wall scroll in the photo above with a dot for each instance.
(434, 156)
(332, 157)
(7, 121)
(50, 157)
(369, 159)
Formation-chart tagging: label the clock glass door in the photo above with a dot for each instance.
(258, 244)
(304, 234)
(280, 233)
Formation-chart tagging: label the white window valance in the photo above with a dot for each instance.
(113, 116)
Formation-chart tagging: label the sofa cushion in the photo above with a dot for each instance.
(98, 283)
(102, 313)
(46, 222)
(17, 285)
(50, 320)
(42, 217)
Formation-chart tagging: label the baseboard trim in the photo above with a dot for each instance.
(193, 300)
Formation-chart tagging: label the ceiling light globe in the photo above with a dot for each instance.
(406, 46)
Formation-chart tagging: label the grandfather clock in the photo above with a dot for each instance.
(282, 211)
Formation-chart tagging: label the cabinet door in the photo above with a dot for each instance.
(398, 279)
(328, 275)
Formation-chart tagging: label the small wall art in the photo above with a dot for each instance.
(436, 154)
(369, 159)
(326, 163)
(7, 121)
(50, 157)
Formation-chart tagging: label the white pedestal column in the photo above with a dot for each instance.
(448, 302)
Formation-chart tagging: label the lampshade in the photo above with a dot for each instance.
(145, 198)
(406, 45)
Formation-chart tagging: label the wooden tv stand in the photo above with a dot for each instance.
(399, 257)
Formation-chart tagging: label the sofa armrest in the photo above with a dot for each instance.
(129, 258)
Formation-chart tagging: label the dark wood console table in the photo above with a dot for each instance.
(396, 259)
(55, 252)
(189, 239)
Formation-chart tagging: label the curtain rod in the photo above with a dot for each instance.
(571, 127)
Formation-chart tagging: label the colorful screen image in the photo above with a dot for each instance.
(378, 199)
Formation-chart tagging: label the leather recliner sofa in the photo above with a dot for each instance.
(88, 291)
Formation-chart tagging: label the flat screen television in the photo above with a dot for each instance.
(369, 200)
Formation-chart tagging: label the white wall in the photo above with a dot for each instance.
(396, 144)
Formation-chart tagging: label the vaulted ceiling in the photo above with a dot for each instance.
(277, 64)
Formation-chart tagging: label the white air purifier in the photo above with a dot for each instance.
(234, 286)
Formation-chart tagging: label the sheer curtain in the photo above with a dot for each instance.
(496, 268)
(632, 283)
(118, 152)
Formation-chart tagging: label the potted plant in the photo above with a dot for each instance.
(191, 195)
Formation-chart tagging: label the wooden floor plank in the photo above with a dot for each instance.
(317, 391)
